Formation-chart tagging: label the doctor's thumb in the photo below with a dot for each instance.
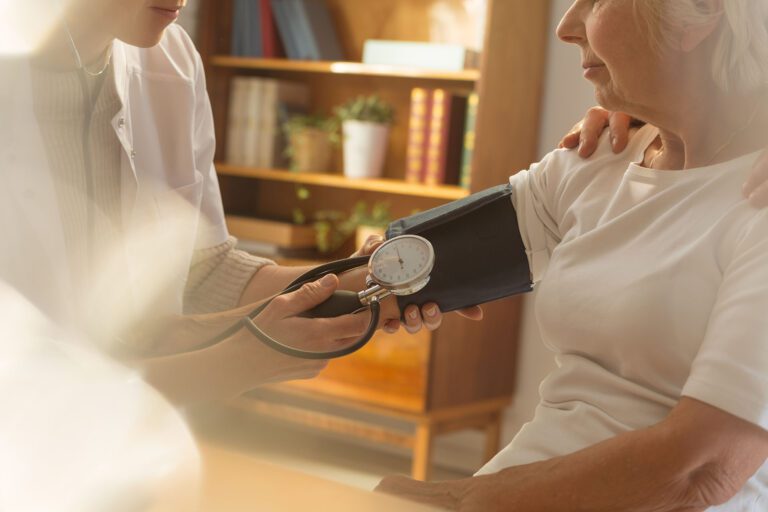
(310, 295)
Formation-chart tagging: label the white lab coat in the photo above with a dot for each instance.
(165, 128)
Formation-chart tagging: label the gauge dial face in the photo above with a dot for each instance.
(402, 261)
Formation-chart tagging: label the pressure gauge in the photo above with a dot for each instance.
(402, 265)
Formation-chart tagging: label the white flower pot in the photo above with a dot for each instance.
(365, 146)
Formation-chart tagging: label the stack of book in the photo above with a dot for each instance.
(271, 238)
(440, 137)
(300, 29)
(258, 108)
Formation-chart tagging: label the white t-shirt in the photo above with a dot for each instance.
(653, 285)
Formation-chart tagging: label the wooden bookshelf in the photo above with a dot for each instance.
(393, 187)
(344, 68)
(462, 375)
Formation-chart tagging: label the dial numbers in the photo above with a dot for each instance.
(402, 261)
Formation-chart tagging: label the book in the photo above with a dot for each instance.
(417, 134)
(457, 118)
(282, 234)
(324, 38)
(434, 56)
(270, 40)
(445, 138)
(285, 27)
(468, 152)
(302, 30)
(279, 100)
(236, 121)
(246, 29)
(239, 30)
(251, 130)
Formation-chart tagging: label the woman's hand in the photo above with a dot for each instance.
(585, 135)
(756, 187)
(475, 494)
(429, 316)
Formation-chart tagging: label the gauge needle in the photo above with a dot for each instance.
(399, 258)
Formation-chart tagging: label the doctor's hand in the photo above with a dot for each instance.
(429, 316)
(585, 134)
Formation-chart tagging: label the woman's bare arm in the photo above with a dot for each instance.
(698, 457)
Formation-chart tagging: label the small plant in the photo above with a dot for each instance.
(371, 109)
(310, 139)
(334, 228)
(328, 124)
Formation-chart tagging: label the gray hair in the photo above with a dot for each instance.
(740, 60)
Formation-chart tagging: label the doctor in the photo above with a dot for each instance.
(111, 214)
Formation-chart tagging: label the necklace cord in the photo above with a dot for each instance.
(78, 59)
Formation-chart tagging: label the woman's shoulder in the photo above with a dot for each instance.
(566, 167)
(174, 55)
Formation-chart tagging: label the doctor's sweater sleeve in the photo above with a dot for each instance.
(218, 276)
(730, 371)
(535, 202)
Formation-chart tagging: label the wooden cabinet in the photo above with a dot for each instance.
(461, 376)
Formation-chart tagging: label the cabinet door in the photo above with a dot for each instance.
(391, 371)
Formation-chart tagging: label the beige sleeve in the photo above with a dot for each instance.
(217, 277)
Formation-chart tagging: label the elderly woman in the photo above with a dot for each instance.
(652, 275)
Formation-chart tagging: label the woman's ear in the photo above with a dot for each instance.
(692, 36)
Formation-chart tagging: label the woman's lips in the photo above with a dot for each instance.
(590, 70)
(169, 14)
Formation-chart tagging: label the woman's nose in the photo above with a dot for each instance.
(571, 28)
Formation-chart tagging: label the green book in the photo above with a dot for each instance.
(469, 141)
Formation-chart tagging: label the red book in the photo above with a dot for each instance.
(437, 138)
(271, 45)
(418, 132)
(445, 138)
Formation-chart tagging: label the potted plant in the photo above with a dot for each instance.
(310, 142)
(334, 228)
(365, 126)
(370, 222)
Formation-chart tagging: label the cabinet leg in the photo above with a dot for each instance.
(492, 437)
(422, 451)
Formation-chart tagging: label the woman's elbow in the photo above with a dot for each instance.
(712, 484)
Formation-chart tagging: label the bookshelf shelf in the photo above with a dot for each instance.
(344, 68)
(383, 186)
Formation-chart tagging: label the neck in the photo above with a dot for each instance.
(709, 132)
(91, 44)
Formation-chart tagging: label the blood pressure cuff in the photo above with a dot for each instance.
(479, 254)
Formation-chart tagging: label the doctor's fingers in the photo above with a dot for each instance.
(619, 124)
(592, 127)
(756, 187)
(429, 317)
(303, 299)
(330, 330)
(589, 128)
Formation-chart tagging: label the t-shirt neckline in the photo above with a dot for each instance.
(644, 140)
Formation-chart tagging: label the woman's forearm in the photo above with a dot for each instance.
(698, 457)
(641, 471)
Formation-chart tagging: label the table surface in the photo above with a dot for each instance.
(234, 482)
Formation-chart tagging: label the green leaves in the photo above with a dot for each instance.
(366, 108)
